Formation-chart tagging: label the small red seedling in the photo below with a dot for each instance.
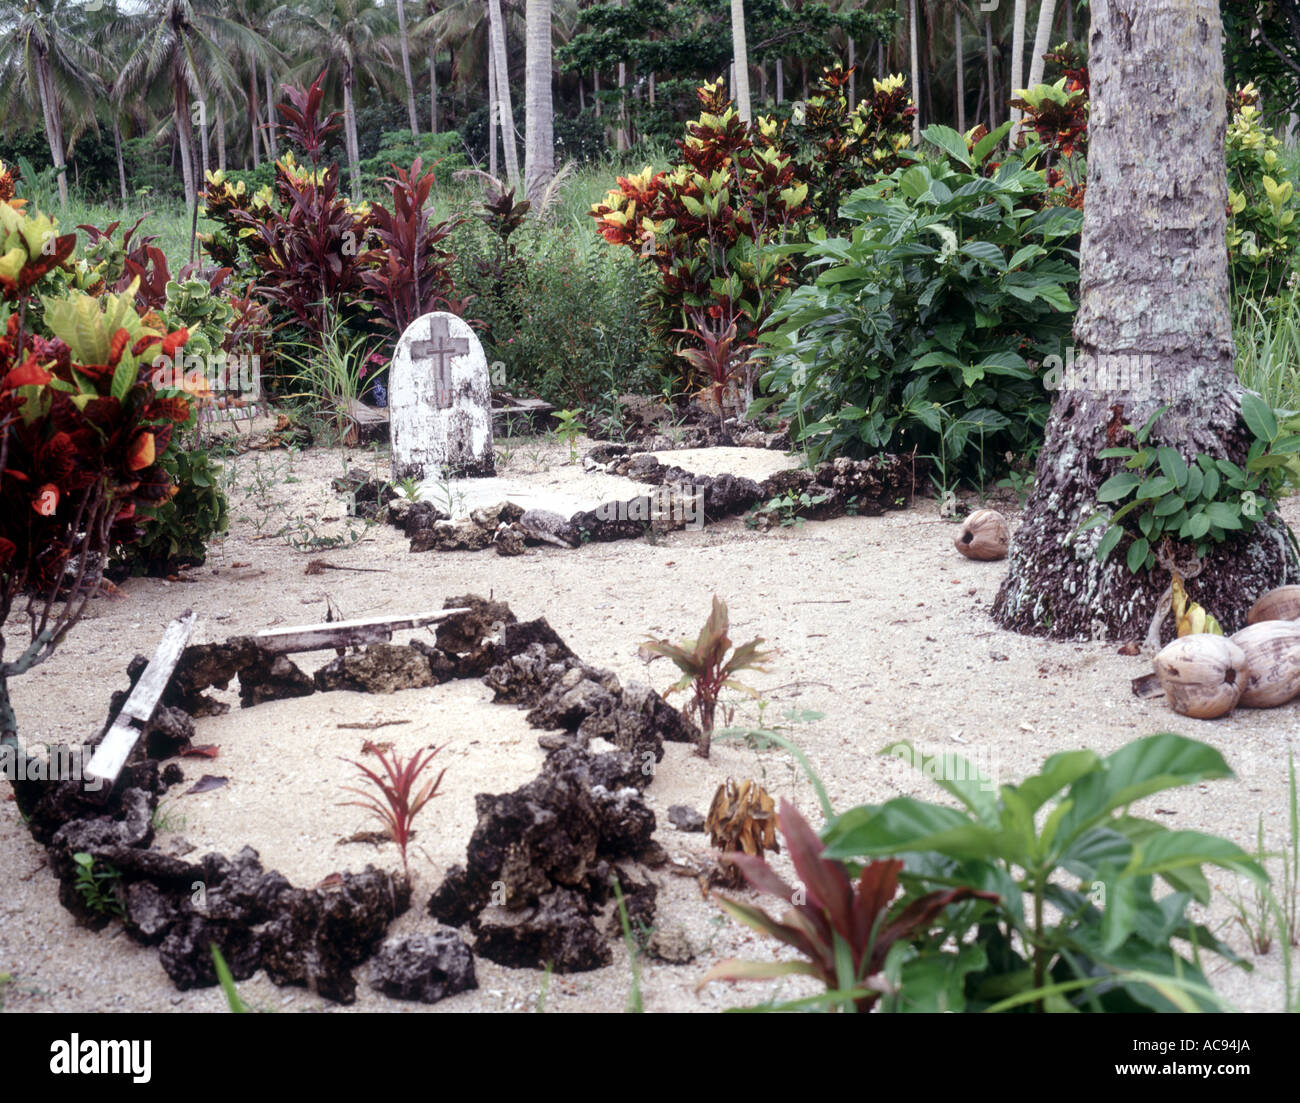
(398, 809)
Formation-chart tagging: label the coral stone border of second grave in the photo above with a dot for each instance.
(516, 895)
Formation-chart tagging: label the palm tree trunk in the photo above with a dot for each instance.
(1042, 41)
(622, 107)
(1154, 293)
(433, 75)
(406, 66)
(493, 109)
(273, 143)
(740, 55)
(221, 137)
(1017, 59)
(780, 81)
(203, 139)
(914, 44)
(1069, 19)
(185, 140)
(254, 111)
(992, 75)
(961, 70)
(539, 113)
(504, 107)
(350, 131)
(117, 150)
(53, 131)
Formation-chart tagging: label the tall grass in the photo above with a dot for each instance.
(1267, 336)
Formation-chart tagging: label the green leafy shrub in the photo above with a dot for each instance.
(1262, 230)
(927, 327)
(704, 225)
(841, 150)
(1077, 925)
(176, 532)
(442, 151)
(1165, 498)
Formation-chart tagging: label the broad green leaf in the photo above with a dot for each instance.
(1258, 416)
(955, 775)
(1137, 554)
(949, 141)
(904, 825)
(936, 982)
(1118, 486)
(1173, 465)
(1058, 771)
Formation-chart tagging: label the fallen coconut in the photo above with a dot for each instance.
(1280, 604)
(1272, 649)
(984, 535)
(1202, 675)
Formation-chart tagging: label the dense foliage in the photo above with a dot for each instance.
(928, 325)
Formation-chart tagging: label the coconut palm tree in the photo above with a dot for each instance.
(352, 40)
(913, 35)
(45, 62)
(184, 46)
(740, 62)
(505, 112)
(1017, 57)
(1042, 41)
(539, 113)
(406, 65)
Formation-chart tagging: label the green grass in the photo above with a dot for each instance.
(1268, 348)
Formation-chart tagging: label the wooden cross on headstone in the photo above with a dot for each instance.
(440, 348)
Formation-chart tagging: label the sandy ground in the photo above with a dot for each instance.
(880, 625)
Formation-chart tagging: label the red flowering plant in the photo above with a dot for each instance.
(707, 224)
(1054, 131)
(83, 431)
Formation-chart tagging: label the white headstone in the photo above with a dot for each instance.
(440, 400)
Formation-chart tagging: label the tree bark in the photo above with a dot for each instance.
(221, 137)
(1042, 41)
(992, 74)
(433, 76)
(504, 107)
(350, 132)
(1017, 58)
(1154, 299)
(780, 81)
(913, 45)
(960, 63)
(254, 110)
(117, 150)
(539, 112)
(272, 142)
(406, 66)
(493, 109)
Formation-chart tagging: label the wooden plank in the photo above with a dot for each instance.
(343, 633)
(114, 749)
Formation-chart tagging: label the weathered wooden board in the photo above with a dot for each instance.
(343, 633)
(114, 749)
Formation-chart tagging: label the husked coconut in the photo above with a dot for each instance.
(1272, 650)
(984, 535)
(1202, 675)
(1280, 604)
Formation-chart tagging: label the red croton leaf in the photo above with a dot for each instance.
(142, 452)
(28, 374)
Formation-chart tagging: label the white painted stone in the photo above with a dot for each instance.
(440, 400)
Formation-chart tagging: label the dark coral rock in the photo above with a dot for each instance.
(424, 967)
(795, 481)
(727, 495)
(557, 929)
(204, 665)
(150, 912)
(379, 668)
(525, 677)
(465, 631)
(133, 828)
(186, 951)
(509, 541)
(685, 818)
(273, 680)
(441, 666)
(169, 733)
(518, 636)
(539, 861)
(451, 536)
(581, 692)
(413, 517)
(456, 900)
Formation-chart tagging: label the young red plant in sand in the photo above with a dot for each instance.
(401, 801)
(843, 930)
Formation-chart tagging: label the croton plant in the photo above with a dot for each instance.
(83, 431)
